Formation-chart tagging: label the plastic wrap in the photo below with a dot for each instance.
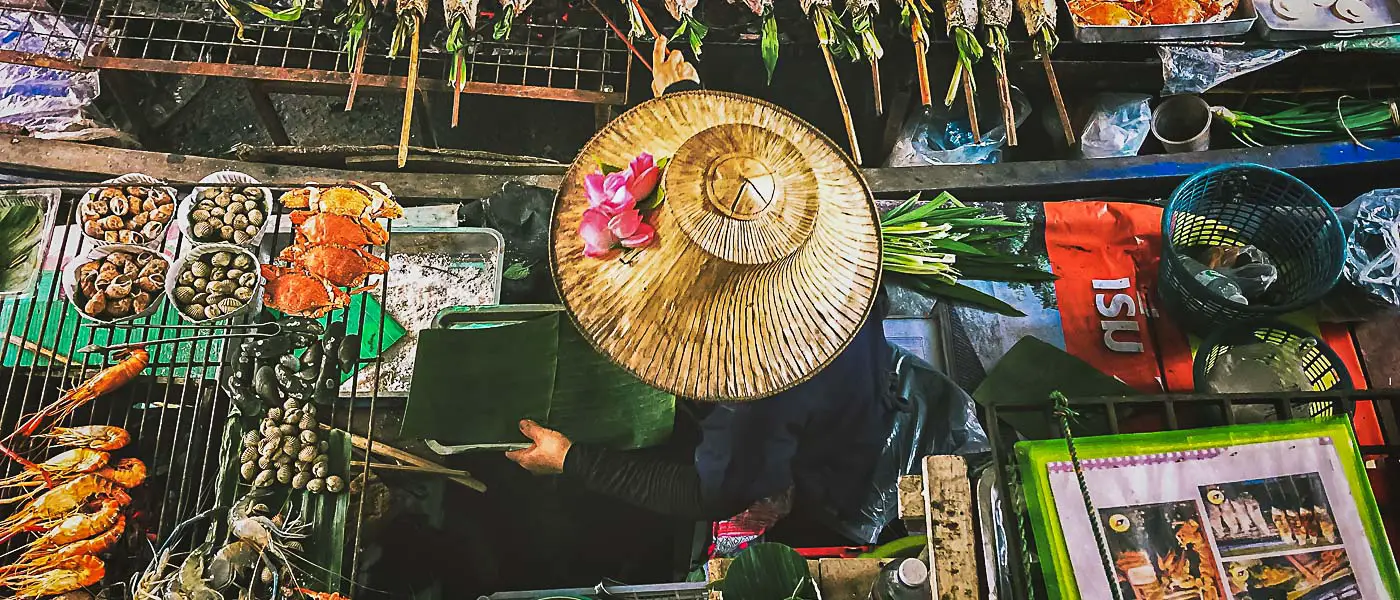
(1372, 223)
(47, 102)
(931, 415)
(941, 135)
(1195, 69)
(1118, 126)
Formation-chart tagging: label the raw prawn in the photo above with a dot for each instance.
(81, 526)
(330, 228)
(59, 503)
(62, 577)
(71, 462)
(125, 472)
(36, 559)
(132, 361)
(107, 438)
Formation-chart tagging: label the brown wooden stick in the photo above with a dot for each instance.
(1008, 109)
(408, 93)
(971, 105)
(841, 101)
(380, 448)
(1059, 99)
(358, 70)
(875, 86)
(921, 64)
(37, 349)
(456, 103)
(360, 464)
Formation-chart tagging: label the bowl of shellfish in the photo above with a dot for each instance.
(131, 209)
(228, 207)
(116, 282)
(214, 282)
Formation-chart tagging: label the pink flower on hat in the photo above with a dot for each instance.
(612, 219)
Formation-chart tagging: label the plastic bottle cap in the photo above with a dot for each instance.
(913, 572)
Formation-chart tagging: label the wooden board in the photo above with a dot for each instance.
(951, 538)
(911, 497)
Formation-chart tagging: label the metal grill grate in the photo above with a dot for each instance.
(175, 411)
(539, 60)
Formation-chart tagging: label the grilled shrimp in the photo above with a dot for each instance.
(96, 437)
(81, 526)
(125, 472)
(59, 503)
(59, 578)
(39, 558)
(65, 465)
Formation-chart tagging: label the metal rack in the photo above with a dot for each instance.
(1111, 415)
(193, 37)
(175, 411)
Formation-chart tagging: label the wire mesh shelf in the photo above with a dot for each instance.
(540, 59)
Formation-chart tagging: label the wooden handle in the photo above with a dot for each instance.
(841, 101)
(380, 448)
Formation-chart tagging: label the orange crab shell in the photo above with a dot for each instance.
(329, 228)
(1105, 14)
(346, 266)
(355, 200)
(299, 293)
(1172, 12)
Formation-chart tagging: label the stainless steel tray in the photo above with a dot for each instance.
(1239, 23)
(1319, 22)
(46, 201)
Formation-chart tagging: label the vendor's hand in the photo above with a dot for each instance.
(669, 67)
(546, 455)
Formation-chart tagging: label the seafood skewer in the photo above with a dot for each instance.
(131, 363)
(916, 12)
(59, 503)
(510, 9)
(996, 17)
(461, 23)
(356, 20)
(1039, 16)
(863, 24)
(693, 30)
(411, 14)
(962, 21)
(831, 35)
(62, 577)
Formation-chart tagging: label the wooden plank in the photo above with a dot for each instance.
(911, 497)
(951, 539)
(847, 578)
(84, 162)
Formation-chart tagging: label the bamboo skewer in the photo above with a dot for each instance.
(408, 93)
(1059, 99)
(355, 73)
(875, 86)
(637, 5)
(971, 106)
(1008, 111)
(456, 104)
(841, 101)
(921, 68)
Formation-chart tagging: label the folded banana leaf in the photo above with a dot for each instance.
(1027, 374)
(473, 385)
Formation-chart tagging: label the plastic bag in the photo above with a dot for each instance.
(1372, 223)
(1195, 69)
(1118, 125)
(932, 416)
(1250, 268)
(941, 135)
(49, 103)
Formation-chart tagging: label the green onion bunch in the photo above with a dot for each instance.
(1321, 121)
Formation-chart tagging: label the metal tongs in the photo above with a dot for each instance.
(248, 330)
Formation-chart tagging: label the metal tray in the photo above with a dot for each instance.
(1318, 22)
(1239, 23)
(46, 201)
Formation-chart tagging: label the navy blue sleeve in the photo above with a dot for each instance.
(747, 450)
(684, 85)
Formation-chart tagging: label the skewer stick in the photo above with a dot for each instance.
(875, 86)
(841, 101)
(356, 72)
(971, 105)
(408, 92)
(1008, 110)
(456, 104)
(921, 64)
(1059, 99)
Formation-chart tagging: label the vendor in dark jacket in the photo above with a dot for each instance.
(815, 443)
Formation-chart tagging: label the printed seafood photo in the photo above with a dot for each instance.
(1161, 551)
(1321, 575)
(1262, 516)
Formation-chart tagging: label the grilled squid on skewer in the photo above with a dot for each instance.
(411, 14)
(996, 17)
(461, 23)
(510, 9)
(693, 30)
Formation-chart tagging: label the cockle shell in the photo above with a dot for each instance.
(213, 312)
(242, 261)
(203, 230)
(221, 259)
(184, 295)
(200, 269)
(229, 305)
(226, 233)
(195, 311)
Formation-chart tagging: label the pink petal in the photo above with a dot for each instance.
(593, 187)
(645, 234)
(625, 223)
(643, 162)
(616, 181)
(619, 201)
(644, 182)
(598, 240)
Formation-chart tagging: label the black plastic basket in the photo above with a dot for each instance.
(1241, 205)
(1324, 368)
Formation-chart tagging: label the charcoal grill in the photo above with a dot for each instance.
(176, 410)
(541, 59)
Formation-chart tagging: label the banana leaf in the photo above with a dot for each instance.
(24, 220)
(960, 293)
(769, 572)
(473, 385)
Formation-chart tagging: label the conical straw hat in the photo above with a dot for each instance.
(767, 257)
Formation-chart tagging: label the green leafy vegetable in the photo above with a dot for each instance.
(769, 572)
(969, 51)
(694, 32)
(457, 45)
(501, 30)
(21, 228)
(769, 43)
(1346, 118)
(517, 271)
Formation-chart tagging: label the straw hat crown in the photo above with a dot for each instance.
(767, 256)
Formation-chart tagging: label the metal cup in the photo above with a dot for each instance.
(1182, 124)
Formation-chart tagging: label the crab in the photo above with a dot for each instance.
(1105, 14)
(1170, 12)
(299, 293)
(347, 266)
(355, 200)
(331, 228)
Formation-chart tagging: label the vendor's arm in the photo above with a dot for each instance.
(670, 71)
(661, 486)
